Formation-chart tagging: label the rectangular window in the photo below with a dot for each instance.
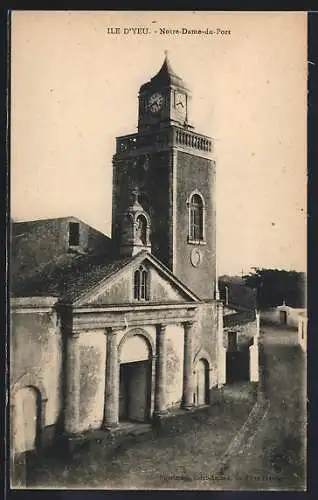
(196, 224)
(73, 235)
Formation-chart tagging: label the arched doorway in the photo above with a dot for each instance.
(26, 421)
(135, 374)
(202, 382)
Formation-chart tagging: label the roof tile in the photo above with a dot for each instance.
(67, 276)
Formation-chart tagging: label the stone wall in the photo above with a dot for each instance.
(205, 341)
(36, 361)
(175, 343)
(245, 333)
(161, 290)
(92, 358)
(193, 172)
(153, 182)
(275, 316)
(302, 332)
(165, 182)
(121, 291)
(35, 243)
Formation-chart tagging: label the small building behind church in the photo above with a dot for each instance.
(104, 330)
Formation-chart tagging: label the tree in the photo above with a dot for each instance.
(275, 286)
(235, 293)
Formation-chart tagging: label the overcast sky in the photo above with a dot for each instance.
(75, 88)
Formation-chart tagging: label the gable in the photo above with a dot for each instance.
(162, 290)
(115, 291)
(163, 287)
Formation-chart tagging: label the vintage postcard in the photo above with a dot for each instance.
(158, 330)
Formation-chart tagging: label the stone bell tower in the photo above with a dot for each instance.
(174, 169)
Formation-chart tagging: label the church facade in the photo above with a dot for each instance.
(106, 331)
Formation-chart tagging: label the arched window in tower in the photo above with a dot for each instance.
(141, 230)
(141, 284)
(196, 217)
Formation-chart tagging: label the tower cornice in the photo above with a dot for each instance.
(176, 137)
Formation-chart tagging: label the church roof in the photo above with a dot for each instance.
(71, 276)
(165, 76)
(66, 276)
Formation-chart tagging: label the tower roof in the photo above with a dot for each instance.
(166, 76)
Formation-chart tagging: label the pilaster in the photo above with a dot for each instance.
(187, 399)
(161, 378)
(111, 401)
(72, 411)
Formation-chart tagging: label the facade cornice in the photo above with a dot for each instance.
(126, 319)
(32, 304)
(134, 307)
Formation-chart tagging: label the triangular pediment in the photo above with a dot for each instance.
(163, 286)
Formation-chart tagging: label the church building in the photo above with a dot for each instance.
(106, 331)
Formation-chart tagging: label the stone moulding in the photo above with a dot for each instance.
(32, 304)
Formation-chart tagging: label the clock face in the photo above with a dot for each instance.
(155, 102)
(180, 102)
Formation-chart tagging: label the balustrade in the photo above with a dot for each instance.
(182, 137)
(193, 141)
